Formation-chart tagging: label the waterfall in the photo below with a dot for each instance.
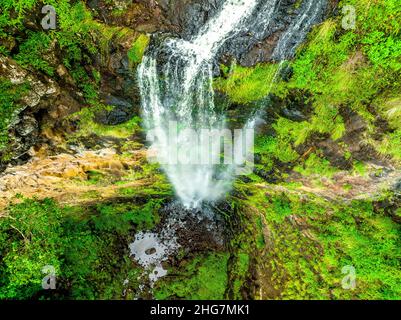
(183, 123)
(296, 32)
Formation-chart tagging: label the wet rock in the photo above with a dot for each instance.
(23, 127)
(118, 83)
(186, 17)
(293, 114)
(191, 231)
(27, 126)
(140, 15)
(397, 187)
(122, 112)
(270, 176)
(261, 51)
(258, 43)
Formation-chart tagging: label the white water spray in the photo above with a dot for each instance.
(176, 86)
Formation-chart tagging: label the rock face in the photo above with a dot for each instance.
(186, 17)
(63, 176)
(24, 128)
(10, 70)
(48, 101)
(41, 111)
(121, 112)
(140, 15)
(256, 44)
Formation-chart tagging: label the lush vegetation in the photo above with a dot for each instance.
(308, 239)
(86, 246)
(339, 71)
(312, 239)
(203, 278)
(74, 44)
(138, 48)
(282, 226)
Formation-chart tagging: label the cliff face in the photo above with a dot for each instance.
(324, 193)
(64, 73)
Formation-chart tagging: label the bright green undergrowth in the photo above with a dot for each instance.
(76, 43)
(88, 125)
(339, 69)
(247, 84)
(203, 278)
(86, 246)
(138, 48)
(31, 52)
(77, 39)
(314, 238)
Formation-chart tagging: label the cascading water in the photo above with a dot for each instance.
(297, 31)
(175, 81)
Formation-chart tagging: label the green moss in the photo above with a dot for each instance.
(77, 39)
(240, 273)
(203, 278)
(138, 48)
(308, 251)
(88, 126)
(314, 165)
(13, 13)
(360, 168)
(115, 217)
(279, 147)
(390, 145)
(340, 69)
(30, 239)
(247, 84)
(95, 177)
(32, 50)
(86, 245)
(9, 96)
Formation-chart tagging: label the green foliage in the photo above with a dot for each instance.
(86, 246)
(203, 278)
(391, 144)
(138, 48)
(76, 41)
(120, 217)
(280, 147)
(312, 239)
(360, 168)
(247, 84)
(391, 108)
(384, 52)
(368, 241)
(381, 33)
(30, 239)
(95, 177)
(339, 69)
(87, 124)
(31, 52)
(13, 13)
(315, 165)
(240, 268)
